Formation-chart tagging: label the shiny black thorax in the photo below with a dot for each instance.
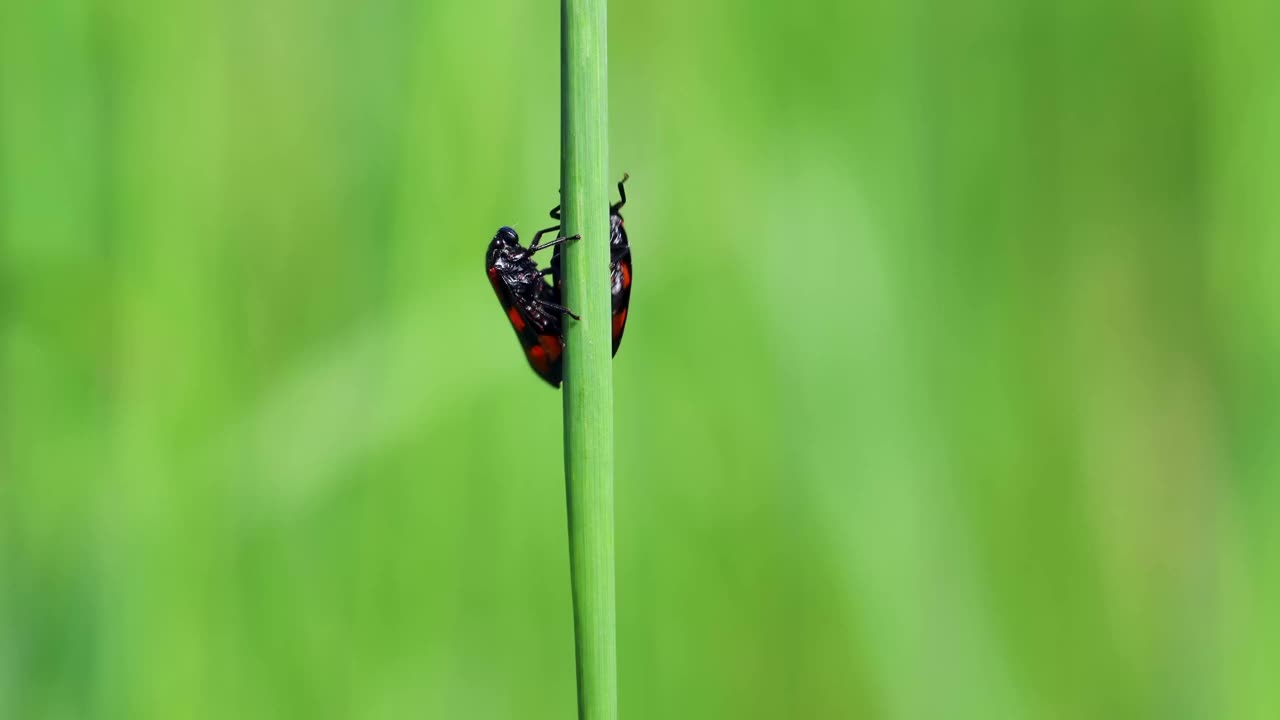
(519, 283)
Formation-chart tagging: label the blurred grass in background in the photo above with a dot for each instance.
(951, 387)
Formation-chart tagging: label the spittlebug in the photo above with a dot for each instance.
(532, 306)
(619, 264)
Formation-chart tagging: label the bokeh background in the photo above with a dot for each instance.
(951, 387)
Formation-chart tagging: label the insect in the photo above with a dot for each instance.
(619, 264)
(532, 306)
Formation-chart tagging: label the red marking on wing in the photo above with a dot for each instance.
(517, 320)
(551, 344)
(538, 358)
(494, 281)
(626, 274)
(619, 320)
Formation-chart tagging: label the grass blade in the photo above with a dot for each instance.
(588, 369)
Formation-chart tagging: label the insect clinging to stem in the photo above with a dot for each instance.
(619, 263)
(532, 306)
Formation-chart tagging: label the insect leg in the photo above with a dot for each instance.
(557, 306)
(538, 236)
(535, 246)
(622, 193)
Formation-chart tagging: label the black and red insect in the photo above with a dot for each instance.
(619, 264)
(532, 306)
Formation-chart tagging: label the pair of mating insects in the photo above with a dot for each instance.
(533, 307)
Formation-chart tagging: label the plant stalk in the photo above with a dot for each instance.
(588, 367)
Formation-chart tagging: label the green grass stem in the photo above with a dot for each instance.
(588, 368)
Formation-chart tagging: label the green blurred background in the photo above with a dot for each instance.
(951, 387)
